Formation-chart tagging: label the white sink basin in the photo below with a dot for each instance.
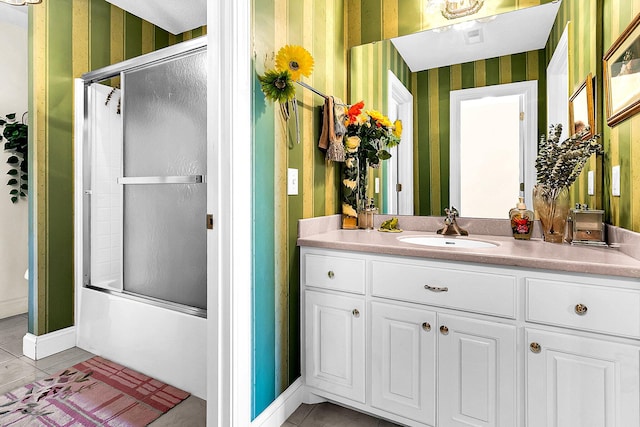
(446, 242)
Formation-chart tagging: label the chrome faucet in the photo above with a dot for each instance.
(451, 227)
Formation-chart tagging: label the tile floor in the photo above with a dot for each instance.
(330, 415)
(17, 370)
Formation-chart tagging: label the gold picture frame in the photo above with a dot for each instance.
(622, 75)
(581, 109)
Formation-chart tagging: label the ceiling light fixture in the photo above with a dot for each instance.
(20, 2)
(452, 9)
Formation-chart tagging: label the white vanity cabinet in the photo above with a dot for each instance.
(476, 372)
(436, 343)
(403, 361)
(335, 343)
(582, 381)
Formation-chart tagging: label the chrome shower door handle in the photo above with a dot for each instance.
(179, 179)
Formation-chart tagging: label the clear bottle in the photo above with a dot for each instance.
(521, 221)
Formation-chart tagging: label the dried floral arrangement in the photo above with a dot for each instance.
(558, 163)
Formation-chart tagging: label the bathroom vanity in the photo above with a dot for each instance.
(525, 333)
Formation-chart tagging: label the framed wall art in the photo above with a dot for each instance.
(581, 109)
(622, 75)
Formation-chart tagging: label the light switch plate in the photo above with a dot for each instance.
(376, 185)
(292, 182)
(590, 184)
(615, 180)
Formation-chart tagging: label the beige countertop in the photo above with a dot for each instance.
(533, 253)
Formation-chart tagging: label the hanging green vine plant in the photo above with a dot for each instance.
(17, 143)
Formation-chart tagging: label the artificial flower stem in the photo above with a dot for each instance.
(295, 111)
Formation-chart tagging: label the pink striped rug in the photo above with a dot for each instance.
(96, 392)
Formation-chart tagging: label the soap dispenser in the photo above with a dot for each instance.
(521, 220)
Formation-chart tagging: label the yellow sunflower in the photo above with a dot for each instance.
(379, 118)
(352, 143)
(397, 128)
(348, 210)
(295, 59)
(349, 184)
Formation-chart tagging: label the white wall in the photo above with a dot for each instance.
(13, 217)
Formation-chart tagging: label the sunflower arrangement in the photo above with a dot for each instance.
(369, 135)
(292, 63)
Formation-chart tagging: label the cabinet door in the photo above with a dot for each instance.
(334, 340)
(476, 373)
(581, 382)
(403, 347)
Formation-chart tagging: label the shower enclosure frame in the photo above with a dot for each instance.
(160, 339)
(118, 71)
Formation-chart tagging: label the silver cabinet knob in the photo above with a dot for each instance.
(355, 312)
(535, 347)
(444, 330)
(581, 309)
(426, 326)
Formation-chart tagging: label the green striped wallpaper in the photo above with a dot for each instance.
(368, 81)
(319, 27)
(431, 90)
(375, 20)
(594, 26)
(622, 142)
(66, 39)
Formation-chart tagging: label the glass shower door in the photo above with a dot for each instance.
(163, 180)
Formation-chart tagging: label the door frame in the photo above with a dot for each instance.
(400, 171)
(229, 244)
(558, 85)
(528, 92)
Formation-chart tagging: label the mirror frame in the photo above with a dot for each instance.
(585, 90)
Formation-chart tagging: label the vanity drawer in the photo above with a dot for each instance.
(591, 308)
(331, 272)
(465, 290)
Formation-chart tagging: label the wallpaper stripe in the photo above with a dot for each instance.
(59, 163)
(416, 146)
(117, 35)
(38, 175)
(635, 177)
(434, 135)
(281, 216)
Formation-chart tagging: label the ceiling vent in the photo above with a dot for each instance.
(474, 36)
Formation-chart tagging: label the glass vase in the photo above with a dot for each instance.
(351, 190)
(552, 208)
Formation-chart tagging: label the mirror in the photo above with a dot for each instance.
(431, 89)
(581, 110)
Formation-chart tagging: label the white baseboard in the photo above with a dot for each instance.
(277, 413)
(13, 307)
(38, 347)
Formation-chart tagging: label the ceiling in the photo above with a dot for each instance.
(505, 34)
(175, 16)
(15, 15)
